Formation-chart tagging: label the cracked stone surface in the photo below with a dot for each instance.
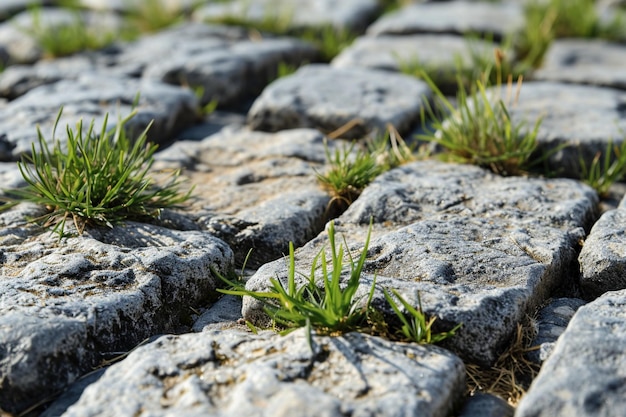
(512, 240)
(234, 373)
(480, 249)
(327, 98)
(65, 305)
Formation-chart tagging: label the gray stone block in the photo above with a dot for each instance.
(351, 15)
(581, 119)
(67, 306)
(90, 97)
(455, 17)
(235, 373)
(482, 250)
(232, 72)
(603, 256)
(585, 375)
(326, 98)
(395, 52)
(256, 190)
(594, 62)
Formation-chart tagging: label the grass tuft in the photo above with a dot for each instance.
(479, 129)
(97, 178)
(330, 310)
(606, 169)
(415, 327)
(334, 308)
(349, 173)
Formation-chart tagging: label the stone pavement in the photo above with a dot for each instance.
(482, 250)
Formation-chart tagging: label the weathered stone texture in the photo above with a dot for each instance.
(586, 374)
(256, 190)
(482, 250)
(603, 257)
(65, 306)
(588, 61)
(350, 15)
(456, 17)
(578, 119)
(91, 97)
(327, 98)
(235, 373)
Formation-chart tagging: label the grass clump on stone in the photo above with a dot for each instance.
(351, 170)
(335, 308)
(479, 129)
(415, 327)
(95, 178)
(329, 310)
(349, 173)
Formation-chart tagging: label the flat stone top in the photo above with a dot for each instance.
(235, 373)
(588, 61)
(395, 52)
(353, 15)
(581, 119)
(457, 17)
(326, 98)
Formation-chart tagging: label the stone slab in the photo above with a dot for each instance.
(586, 374)
(221, 62)
(351, 15)
(229, 73)
(327, 98)
(582, 118)
(395, 52)
(91, 97)
(257, 191)
(67, 306)
(235, 373)
(593, 62)
(21, 47)
(603, 256)
(482, 250)
(454, 17)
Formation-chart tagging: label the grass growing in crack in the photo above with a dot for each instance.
(98, 178)
(349, 173)
(415, 327)
(67, 38)
(480, 132)
(351, 170)
(331, 310)
(605, 168)
(335, 309)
